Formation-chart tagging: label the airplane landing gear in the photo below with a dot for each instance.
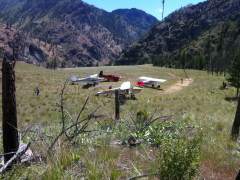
(133, 97)
(86, 86)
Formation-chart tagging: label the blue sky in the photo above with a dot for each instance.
(153, 7)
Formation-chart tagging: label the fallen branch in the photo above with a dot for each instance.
(18, 154)
(143, 176)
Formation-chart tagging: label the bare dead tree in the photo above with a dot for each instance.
(75, 127)
(17, 44)
(9, 118)
(163, 8)
(236, 123)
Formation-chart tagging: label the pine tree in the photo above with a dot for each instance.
(236, 123)
(234, 73)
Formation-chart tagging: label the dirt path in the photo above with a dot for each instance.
(178, 86)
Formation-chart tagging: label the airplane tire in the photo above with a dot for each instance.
(133, 97)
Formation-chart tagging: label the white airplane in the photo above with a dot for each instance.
(150, 82)
(88, 81)
(126, 89)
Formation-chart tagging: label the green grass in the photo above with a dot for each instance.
(203, 103)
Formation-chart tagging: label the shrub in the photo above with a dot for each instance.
(179, 158)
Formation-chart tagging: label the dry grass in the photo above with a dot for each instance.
(202, 102)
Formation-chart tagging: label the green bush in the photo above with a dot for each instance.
(158, 133)
(179, 158)
(179, 147)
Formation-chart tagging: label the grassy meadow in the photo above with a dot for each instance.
(201, 105)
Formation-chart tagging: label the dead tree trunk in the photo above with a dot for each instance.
(238, 175)
(9, 110)
(163, 8)
(236, 123)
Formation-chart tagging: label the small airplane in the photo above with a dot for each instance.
(150, 82)
(109, 78)
(126, 90)
(88, 81)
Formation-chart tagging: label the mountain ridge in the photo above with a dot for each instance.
(82, 34)
(169, 40)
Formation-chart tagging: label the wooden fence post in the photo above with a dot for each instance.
(117, 105)
(9, 110)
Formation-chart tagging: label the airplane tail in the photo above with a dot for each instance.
(140, 84)
(101, 74)
(73, 78)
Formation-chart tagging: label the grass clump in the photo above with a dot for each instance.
(59, 164)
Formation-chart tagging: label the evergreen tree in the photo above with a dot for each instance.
(52, 63)
(234, 73)
(236, 123)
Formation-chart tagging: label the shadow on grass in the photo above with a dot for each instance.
(231, 99)
(155, 88)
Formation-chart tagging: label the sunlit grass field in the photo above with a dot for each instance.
(202, 103)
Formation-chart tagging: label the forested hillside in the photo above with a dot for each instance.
(81, 34)
(202, 36)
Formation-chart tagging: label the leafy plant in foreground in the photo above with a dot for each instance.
(179, 158)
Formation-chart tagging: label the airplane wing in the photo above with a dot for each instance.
(125, 85)
(94, 76)
(73, 78)
(137, 90)
(106, 92)
(84, 79)
(91, 79)
(149, 79)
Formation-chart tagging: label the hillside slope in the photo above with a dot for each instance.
(82, 34)
(32, 50)
(190, 37)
